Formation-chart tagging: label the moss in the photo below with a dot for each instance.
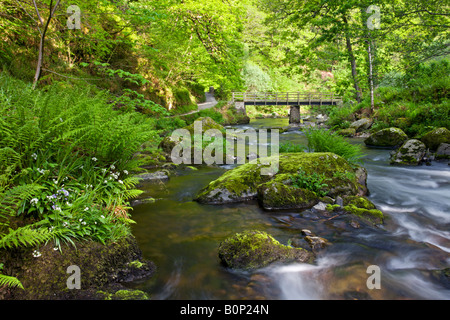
(363, 208)
(242, 183)
(374, 215)
(435, 137)
(333, 207)
(349, 132)
(101, 265)
(257, 249)
(389, 137)
(123, 295)
(359, 202)
(275, 195)
(410, 153)
(136, 264)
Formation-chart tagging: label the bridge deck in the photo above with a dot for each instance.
(287, 98)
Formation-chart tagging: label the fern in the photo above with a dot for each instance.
(10, 281)
(24, 237)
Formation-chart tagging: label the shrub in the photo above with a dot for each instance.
(320, 140)
(314, 182)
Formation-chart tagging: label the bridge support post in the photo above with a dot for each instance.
(294, 114)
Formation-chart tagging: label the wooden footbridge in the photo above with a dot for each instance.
(293, 99)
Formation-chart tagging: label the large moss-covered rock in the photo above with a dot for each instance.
(257, 249)
(410, 153)
(435, 137)
(386, 138)
(246, 182)
(44, 275)
(168, 143)
(443, 151)
(280, 194)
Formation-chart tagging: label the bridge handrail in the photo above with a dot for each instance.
(284, 96)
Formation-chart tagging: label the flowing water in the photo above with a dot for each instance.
(182, 237)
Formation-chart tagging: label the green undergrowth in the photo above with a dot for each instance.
(66, 164)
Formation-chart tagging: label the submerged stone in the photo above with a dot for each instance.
(257, 249)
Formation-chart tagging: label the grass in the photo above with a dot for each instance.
(320, 140)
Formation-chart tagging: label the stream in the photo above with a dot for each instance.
(182, 236)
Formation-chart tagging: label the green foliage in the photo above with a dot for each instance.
(256, 80)
(315, 182)
(65, 159)
(288, 147)
(320, 140)
(10, 281)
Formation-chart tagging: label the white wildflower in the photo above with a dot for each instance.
(112, 166)
(36, 254)
(125, 171)
(86, 209)
(94, 159)
(34, 201)
(34, 156)
(120, 181)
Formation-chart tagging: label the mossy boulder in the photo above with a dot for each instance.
(168, 143)
(349, 132)
(247, 183)
(361, 124)
(443, 151)
(258, 249)
(435, 137)
(101, 268)
(386, 138)
(363, 208)
(277, 194)
(410, 153)
(207, 124)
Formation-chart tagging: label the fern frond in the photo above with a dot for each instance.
(25, 236)
(10, 281)
(12, 198)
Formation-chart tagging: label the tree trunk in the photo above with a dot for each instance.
(370, 55)
(37, 75)
(353, 63)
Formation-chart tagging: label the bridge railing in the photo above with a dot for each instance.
(279, 97)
